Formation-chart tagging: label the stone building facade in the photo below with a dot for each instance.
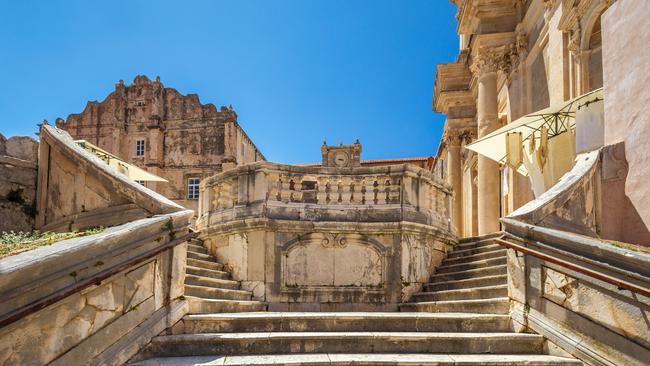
(516, 57)
(169, 134)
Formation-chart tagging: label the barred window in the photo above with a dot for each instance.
(193, 188)
(140, 182)
(139, 148)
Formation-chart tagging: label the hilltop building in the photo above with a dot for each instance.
(171, 135)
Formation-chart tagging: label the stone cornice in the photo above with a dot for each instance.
(451, 87)
(470, 12)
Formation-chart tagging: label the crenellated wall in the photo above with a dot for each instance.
(319, 239)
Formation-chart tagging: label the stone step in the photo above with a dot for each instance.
(482, 263)
(200, 256)
(195, 280)
(474, 293)
(497, 305)
(341, 342)
(474, 244)
(204, 264)
(468, 283)
(473, 257)
(217, 293)
(381, 359)
(197, 248)
(203, 306)
(205, 272)
(345, 322)
(457, 252)
(470, 273)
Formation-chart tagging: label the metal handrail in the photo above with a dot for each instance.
(575, 267)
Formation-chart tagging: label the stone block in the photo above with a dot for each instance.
(138, 285)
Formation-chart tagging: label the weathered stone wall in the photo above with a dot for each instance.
(596, 321)
(327, 239)
(77, 190)
(183, 138)
(18, 157)
(95, 299)
(590, 200)
(625, 35)
(99, 322)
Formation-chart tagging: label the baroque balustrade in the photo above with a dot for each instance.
(287, 192)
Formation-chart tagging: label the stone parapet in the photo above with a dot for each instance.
(363, 194)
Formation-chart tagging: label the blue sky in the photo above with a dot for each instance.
(296, 71)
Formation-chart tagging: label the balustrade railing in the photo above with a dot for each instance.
(387, 193)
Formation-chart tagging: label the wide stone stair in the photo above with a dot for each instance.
(461, 318)
(209, 287)
(472, 279)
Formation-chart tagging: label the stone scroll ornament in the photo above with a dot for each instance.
(334, 241)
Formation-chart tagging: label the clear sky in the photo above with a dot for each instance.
(295, 71)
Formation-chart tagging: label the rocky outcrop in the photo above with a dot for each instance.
(17, 183)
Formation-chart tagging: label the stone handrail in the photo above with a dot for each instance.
(369, 194)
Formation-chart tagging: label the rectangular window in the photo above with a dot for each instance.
(140, 182)
(193, 188)
(139, 148)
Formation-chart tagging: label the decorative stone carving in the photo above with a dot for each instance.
(331, 260)
(486, 60)
(334, 241)
(574, 40)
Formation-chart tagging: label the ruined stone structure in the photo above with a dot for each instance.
(171, 135)
(516, 57)
(18, 157)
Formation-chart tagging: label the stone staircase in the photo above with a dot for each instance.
(208, 287)
(472, 279)
(461, 318)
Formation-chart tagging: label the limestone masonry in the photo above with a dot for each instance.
(169, 134)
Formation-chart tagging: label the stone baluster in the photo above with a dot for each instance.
(321, 194)
(378, 190)
(297, 195)
(363, 191)
(285, 192)
(355, 191)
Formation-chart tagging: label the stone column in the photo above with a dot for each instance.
(485, 66)
(454, 177)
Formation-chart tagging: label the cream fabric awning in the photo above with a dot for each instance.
(123, 167)
(557, 119)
